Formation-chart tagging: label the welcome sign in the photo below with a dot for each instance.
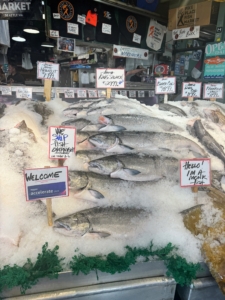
(28, 9)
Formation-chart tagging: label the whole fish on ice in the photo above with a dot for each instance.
(175, 110)
(216, 116)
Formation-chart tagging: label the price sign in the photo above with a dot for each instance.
(54, 33)
(6, 90)
(137, 38)
(69, 93)
(101, 93)
(46, 70)
(132, 94)
(123, 93)
(106, 28)
(24, 92)
(81, 19)
(151, 93)
(213, 90)
(81, 93)
(110, 78)
(191, 89)
(165, 85)
(92, 94)
(195, 172)
(72, 28)
(141, 94)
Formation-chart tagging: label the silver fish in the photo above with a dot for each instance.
(88, 155)
(136, 168)
(80, 124)
(72, 111)
(101, 221)
(175, 110)
(85, 103)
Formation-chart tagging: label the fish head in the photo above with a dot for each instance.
(211, 113)
(103, 141)
(105, 120)
(105, 165)
(74, 225)
(78, 180)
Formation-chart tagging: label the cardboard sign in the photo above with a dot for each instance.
(46, 183)
(72, 28)
(24, 92)
(81, 93)
(54, 33)
(110, 78)
(46, 70)
(92, 94)
(62, 142)
(69, 93)
(213, 90)
(6, 90)
(186, 33)
(165, 85)
(123, 51)
(191, 89)
(106, 28)
(195, 172)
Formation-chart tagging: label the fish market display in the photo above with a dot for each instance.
(216, 116)
(173, 109)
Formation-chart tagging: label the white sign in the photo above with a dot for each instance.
(110, 78)
(141, 94)
(195, 172)
(72, 28)
(165, 85)
(46, 183)
(56, 16)
(81, 93)
(101, 93)
(92, 94)
(24, 92)
(123, 51)
(213, 90)
(191, 89)
(155, 35)
(46, 70)
(54, 33)
(136, 38)
(114, 93)
(81, 19)
(186, 33)
(6, 90)
(62, 142)
(132, 94)
(69, 93)
(123, 93)
(151, 93)
(106, 28)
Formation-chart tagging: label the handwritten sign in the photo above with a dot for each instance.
(141, 94)
(191, 89)
(54, 33)
(195, 172)
(151, 93)
(186, 33)
(72, 28)
(69, 93)
(165, 85)
(110, 78)
(6, 90)
(123, 93)
(62, 142)
(106, 28)
(136, 38)
(213, 90)
(81, 93)
(81, 19)
(46, 70)
(132, 94)
(92, 94)
(24, 92)
(123, 51)
(46, 183)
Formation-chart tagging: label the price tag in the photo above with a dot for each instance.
(141, 94)
(6, 90)
(114, 93)
(151, 93)
(106, 28)
(191, 89)
(136, 38)
(69, 93)
(165, 85)
(132, 94)
(92, 94)
(54, 33)
(72, 28)
(101, 93)
(81, 93)
(123, 93)
(110, 78)
(46, 70)
(24, 92)
(81, 19)
(213, 90)
(56, 16)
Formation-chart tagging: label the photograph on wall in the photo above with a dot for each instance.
(65, 44)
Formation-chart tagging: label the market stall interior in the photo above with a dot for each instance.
(112, 146)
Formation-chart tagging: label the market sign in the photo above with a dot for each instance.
(46, 183)
(110, 78)
(46, 70)
(214, 63)
(195, 172)
(191, 89)
(122, 51)
(186, 33)
(213, 91)
(165, 85)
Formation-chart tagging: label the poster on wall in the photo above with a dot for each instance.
(155, 35)
(65, 44)
(214, 61)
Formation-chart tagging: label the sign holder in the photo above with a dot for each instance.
(49, 208)
(47, 89)
(108, 93)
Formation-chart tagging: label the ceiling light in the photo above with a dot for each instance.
(18, 38)
(47, 44)
(30, 29)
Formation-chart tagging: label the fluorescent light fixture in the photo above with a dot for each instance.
(18, 38)
(42, 2)
(30, 29)
(43, 16)
(47, 44)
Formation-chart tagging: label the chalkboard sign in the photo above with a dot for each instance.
(191, 89)
(213, 90)
(195, 172)
(165, 85)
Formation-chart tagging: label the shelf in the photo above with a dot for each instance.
(188, 49)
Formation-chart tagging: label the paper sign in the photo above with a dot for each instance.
(46, 183)
(195, 172)
(186, 33)
(81, 93)
(151, 93)
(213, 90)
(123, 93)
(92, 94)
(132, 94)
(46, 70)
(155, 35)
(24, 92)
(6, 90)
(56, 16)
(69, 93)
(72, 28)
(136, 38)
(101, 93)
(165, 85)
(141, 94)
(54, 33)
(62, 142)
(81, 19)
(191, 89)
(110, 78)
(106, 28)
(123, 51)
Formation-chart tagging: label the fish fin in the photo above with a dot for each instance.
(117, 148)
(110, 128)
(101, 234)
(96, 194)
(132, 171)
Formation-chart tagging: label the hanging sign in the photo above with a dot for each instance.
(62, 142)
(24, 92)
(54, 33)
(195, 172)
(186, 33)
(46, 70)
(92, 94)
(46, 183)
(110, 78)
(122, 51)
(213, 91)
(81, 93)
(6, 90)
(69, 93)
(214, 67)
(106, 28)
(155, 35)
(72, 28)
(165, 85)
(136, 38)
(191, 89)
